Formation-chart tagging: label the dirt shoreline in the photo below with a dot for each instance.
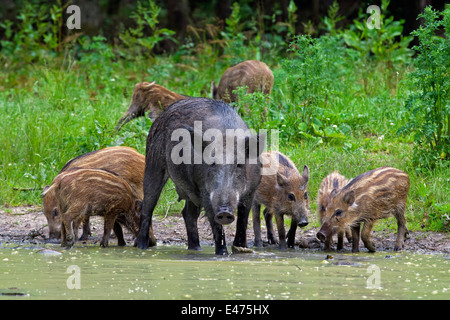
(27, 224)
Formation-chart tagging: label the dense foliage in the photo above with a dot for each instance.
(351, 99)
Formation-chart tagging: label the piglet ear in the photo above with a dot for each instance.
(349, 197)
(305, 174)
(282, 181)
(333, 193)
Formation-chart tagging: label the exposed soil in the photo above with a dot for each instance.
(28, 225)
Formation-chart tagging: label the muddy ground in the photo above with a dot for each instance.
(28, 225)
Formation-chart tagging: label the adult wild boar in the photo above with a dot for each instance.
(334, 181)
(82, 193)
(124, 161)
(370, 196)
(148, 96)
(282, 193)
(256, 75)
(206, 149)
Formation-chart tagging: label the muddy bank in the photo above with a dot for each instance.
(28, 224)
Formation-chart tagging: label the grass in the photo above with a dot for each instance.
(56, 108)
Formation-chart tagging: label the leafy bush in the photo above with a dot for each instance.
(429, 104)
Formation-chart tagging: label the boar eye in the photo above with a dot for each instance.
(323, 208)
(306, 195)
(291, 197)
(338, 213)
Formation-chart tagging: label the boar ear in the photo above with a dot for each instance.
(305, 174)
(282, 181)
(349, 197)
(214, 93)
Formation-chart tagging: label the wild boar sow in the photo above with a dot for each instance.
(205, 148)
(334, 181)
(90, 192)
(124, 161)
(151, 97)
(256, 75)
(370, 196)
(282, 193)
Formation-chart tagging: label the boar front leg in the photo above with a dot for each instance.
(279, 218)
(240, 240)
(110, 220)
(291, 233)
(355, 235)
(269, 225)
(67, 234)
(365, 235)
(190, 214)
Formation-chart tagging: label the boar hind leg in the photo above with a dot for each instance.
(402, 231)
(257, 224)
(110, 220)
(281, 230)
(119, 234)
(340, 242)
(86, 229)
(365, 235)
(190, 214)
(154, 181)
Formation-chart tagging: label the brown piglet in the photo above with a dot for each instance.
(334, 181)
(124, 161)
(151, 97)
(95, 192)
(371, 196)
(283, 191)
(256, 75)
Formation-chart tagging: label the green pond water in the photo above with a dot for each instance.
(172, 272)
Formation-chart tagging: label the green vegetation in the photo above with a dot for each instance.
(350, 100)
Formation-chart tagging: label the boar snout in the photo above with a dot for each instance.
(303, 223)
(224, 216)
(323, 233)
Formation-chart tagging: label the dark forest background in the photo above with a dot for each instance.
(110, 17)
